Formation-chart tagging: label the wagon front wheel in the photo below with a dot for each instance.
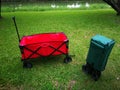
(67, 59)
(27, 65)
(84, 68)
(96, 75)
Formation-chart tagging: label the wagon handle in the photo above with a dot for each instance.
(16, 28)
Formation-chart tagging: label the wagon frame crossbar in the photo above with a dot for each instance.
(36, 51)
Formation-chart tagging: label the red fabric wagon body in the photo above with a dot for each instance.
(45, 44)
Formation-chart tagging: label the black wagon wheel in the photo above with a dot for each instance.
(84, 68)
(96, 75)
(27, 64)
(67, 59)
(87, 69)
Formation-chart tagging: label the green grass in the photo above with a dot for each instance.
(51, 73)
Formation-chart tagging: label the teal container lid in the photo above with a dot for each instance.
(101, 39)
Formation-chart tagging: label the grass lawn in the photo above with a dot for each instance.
(51, 73)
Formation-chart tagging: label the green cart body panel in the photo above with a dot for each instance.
(99, 51)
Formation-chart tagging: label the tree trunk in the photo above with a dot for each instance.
(0, 8)
(118, 4)
(115, 4)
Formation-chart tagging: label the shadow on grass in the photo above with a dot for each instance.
(51, 60)
(15, 62)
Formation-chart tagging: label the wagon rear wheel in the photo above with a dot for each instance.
(27, 65)
(87, 69)
(96, 75)
(67, 59)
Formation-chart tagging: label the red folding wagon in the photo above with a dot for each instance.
(42, 45)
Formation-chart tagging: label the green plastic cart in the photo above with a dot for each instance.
(99, 51)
